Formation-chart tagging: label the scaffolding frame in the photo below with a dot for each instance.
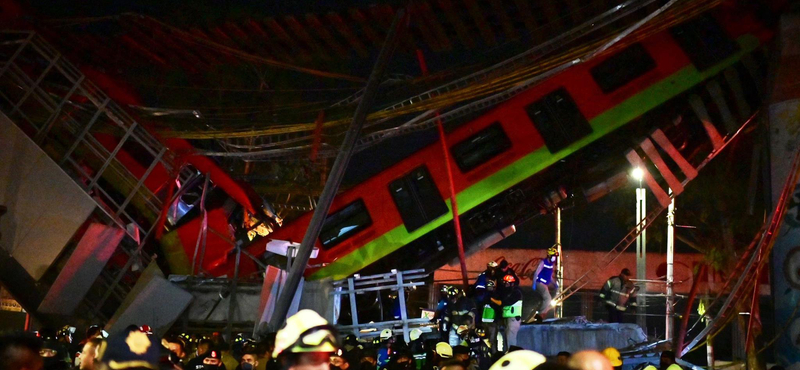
(394, 280)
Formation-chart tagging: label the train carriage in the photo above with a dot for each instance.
(407, 204)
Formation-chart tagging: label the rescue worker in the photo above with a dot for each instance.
(202, 349)
(385, 351)
(341, 360)
(441, 312)
(350, 342)
(417, 347)
(543, 281)
(306, 342)
(443, 350)
(480, 348)
(401, 360)
(507, 304)
(460, 315)
(479, 288)
(503, 269)
(177, 346)
(618, 294)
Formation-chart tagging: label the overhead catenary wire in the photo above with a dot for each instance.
(239, 53)
(376, 137)
(494, 85)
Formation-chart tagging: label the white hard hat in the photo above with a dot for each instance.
(306, 331)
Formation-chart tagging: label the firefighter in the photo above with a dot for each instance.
(480, 348)
(385, 350)
(618, 294)
(442, 308)
(460, 315)
(306, 342)
(543, 281)
(507, 304)
(417, 347)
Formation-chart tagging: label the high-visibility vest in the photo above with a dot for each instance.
(488, 314)
(546, 274)
(514, 310)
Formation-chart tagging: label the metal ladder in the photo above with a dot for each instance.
(30, 70)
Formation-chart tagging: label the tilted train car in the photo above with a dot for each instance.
(401, 217)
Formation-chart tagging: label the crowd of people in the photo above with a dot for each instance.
(477, 330)
(306, 342)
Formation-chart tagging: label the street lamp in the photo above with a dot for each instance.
(641, 247)
(638, 174)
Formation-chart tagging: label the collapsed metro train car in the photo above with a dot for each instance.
(523, 150)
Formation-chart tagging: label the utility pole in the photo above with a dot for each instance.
(560, 270)
(336, 175)
(641, 252)
(670, 259)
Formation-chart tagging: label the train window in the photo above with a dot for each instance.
(417, 198)
(558, 120)
(704, 41)
(481, 147)
(622, 68)
(347, 221)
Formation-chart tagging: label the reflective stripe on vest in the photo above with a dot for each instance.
(546, 274)
(514, 310)
(488, 314)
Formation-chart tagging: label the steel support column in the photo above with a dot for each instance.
(335, 177)
(401, 295)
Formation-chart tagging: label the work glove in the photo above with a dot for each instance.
(497, 301)
(621, 308)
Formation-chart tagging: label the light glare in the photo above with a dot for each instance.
(637, 174)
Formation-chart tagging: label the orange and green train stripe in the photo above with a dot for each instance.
(536, 161)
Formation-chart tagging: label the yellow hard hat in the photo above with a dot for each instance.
(519, 360)
(674, 367)
(306, 331)
(613, 356)
(386, 333)
(444, 350)
(415, 334)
